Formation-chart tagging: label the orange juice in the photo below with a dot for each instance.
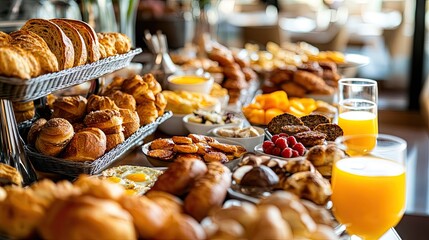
(188, 80)
(368, 195)
(360, 122)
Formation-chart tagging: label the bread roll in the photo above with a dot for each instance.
(181, 226)
(54, 136)
(113, 140)
(70, 108)
(23, 110)
(147, 112)
(114, 43)
(56, 39)
(96, 102)
(33, 43)
(87, 218)
(89, 36)
(9, 175)
(86, 145)
(5, 39)
(123, 100)
(80, 52)
(180, 176)
(20, 213)
(270, 225)
(166, 201)
(160, 103)
(34, 131)
(99, 188)
(148, 217)
(152, 83)
(209, 191)
(131, 121)
(245, 214)
(3, 194)
(109, 121)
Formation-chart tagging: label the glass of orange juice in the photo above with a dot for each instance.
(368, 188)
(357, 98)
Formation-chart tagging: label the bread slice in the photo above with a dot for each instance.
(33, 43)
(80, 52)
(56, 39)
(90, 38)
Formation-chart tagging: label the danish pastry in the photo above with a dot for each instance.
(162, 143)
(123, 100)
(185, 148)
(181, 140)
(215, 157)
(162, 154)
(96, 102)
(147, 112)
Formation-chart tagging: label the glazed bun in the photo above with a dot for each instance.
(86, 145)
(71, 108)
(86, 217)
(54, 136)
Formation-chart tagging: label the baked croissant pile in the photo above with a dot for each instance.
(83, 129)
(44, 46)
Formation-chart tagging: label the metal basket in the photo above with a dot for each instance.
(15, 89)
(73, 169)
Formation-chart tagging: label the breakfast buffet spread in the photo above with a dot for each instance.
(213, 171)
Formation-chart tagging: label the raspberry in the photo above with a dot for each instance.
(269, 149)
(295, 153)
(276, 151)
(283, 135)
(267, 144)
(300, 148)
(287, 152)
(291, 140)
(281, 143)
(274, 138)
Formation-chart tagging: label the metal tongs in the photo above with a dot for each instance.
(162, 65)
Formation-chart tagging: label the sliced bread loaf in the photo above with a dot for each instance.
(80, 52)
(55, 38)
(33, 43)
(90, 38)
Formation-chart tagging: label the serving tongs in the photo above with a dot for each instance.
(162, 66)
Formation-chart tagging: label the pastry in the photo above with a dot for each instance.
(181, 140)
(14, 62)
(147, 112)
(293, 89)
(109, 121)
(54, 136)
(113, 140)
(162, 143)
(160, 103)
(276, 124)
(166, 201)
(152, 83)
(123, 100)
(312, 82)
(89, 36)
(9, 176)
(4, 39)
(323, 157)
(80, 52)
(34, 131)
(310, 138)
(114, 43)
(313, 120)
(215, 157)
(181, 226)
(271, 224)
(130, 122)
(33, 43)
(162, 154)
(185, 148)
(58, 42)
(209, 191)
(294, 129)
(180, 176)
(70, 108)
(86, 145)
(96, 102)
(23, 110)
(86, 217)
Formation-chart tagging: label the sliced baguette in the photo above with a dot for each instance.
(90, 38)
(55, 38)
(80, 52)
(33, 43)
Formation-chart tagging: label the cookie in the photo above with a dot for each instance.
(331, 130)
(310, 138)
(313, 120)
(276, 124)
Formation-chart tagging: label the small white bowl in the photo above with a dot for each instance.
(203, 87)
(174, 126)
(249, 143)
(204, 129)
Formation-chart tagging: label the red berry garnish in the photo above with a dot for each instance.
(269, 150)
(287, 152)
(295, 153)
(283, 135)
(291, 140)
(281, 143)
(276, 151)
(274, 138)
(267, 144)
(300, 148)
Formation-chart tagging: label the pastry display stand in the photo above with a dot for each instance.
(17, 90)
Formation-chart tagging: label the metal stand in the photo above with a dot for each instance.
(11, 148)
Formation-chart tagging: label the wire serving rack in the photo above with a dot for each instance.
(15, 89)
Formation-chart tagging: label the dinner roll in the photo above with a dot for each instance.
(54, 136)
(86, 145)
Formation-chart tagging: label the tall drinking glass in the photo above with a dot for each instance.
(368, 189)
(357, 98)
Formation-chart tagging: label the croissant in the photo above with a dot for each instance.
(323, 156)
